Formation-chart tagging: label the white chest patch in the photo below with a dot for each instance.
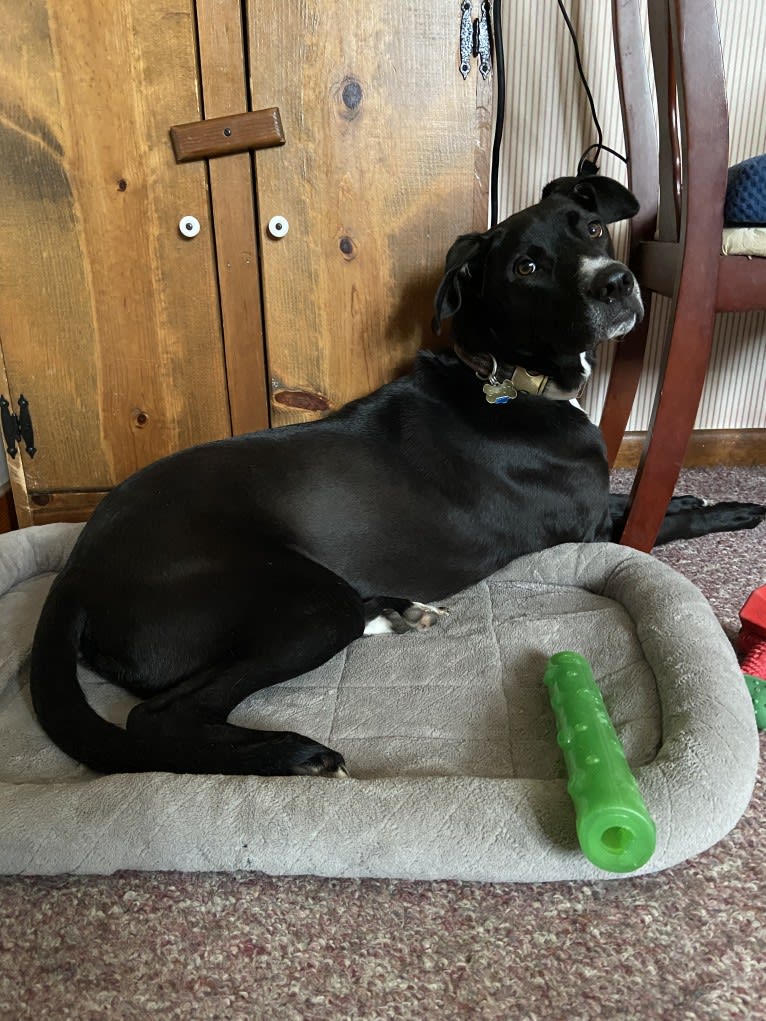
(587, 369)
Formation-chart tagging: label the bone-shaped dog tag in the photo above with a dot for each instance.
(500, 393)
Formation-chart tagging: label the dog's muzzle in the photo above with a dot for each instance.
(613, 295)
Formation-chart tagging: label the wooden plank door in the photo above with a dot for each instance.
(385, 163)
(109, 316)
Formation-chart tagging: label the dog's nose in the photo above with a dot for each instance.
(612, 283)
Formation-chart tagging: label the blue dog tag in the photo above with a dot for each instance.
(500, 393)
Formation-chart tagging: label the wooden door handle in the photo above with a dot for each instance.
(223, 136)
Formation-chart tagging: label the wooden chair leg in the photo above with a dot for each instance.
(675, 409)
(623, 385)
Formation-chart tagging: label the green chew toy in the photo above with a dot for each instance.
(757, 689)
(614, 829)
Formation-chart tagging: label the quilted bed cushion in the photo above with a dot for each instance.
(448, 735)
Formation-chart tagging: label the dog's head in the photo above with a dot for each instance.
(544, 282)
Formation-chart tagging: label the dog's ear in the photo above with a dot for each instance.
(602, 195)
(465, 262)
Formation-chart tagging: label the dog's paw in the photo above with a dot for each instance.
(682, 503)
(312, 759)
(735, 516)
(414, 617)
(421, 616)
(730, 516)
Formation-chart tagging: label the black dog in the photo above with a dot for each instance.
(235, 565)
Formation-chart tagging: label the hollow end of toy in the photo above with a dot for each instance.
(617, 840)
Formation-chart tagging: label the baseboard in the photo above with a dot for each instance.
(707, 448)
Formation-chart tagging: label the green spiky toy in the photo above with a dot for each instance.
(757, 689)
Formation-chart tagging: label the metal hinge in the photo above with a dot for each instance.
(475, 38)
(17, 427)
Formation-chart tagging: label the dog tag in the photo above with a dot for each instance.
(500, 393)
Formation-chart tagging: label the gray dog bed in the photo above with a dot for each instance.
(448, 734)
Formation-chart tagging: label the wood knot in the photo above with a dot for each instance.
(302, 399)
(349, 98)
(352, 94)
(347, 247)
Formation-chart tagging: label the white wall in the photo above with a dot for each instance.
(548, 125)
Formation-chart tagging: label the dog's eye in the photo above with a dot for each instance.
(596, 229)
(524, 268)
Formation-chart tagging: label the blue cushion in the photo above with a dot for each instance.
(746, 193)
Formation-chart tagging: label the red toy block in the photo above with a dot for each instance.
(752, 637)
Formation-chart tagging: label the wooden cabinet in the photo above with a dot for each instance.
(384, 165)
(130, 340)
(109, 317)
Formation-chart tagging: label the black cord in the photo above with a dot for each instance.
(497, 38)
(586, 166)
(601, 148)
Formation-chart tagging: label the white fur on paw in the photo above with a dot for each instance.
(379, 626)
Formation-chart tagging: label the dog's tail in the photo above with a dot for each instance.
(58, 699)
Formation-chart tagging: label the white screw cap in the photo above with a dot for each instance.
(189, 226)
(278, 226)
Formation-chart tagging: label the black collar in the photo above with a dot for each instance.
(505, 382)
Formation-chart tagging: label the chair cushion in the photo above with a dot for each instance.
(744, 241)
(746, 193)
